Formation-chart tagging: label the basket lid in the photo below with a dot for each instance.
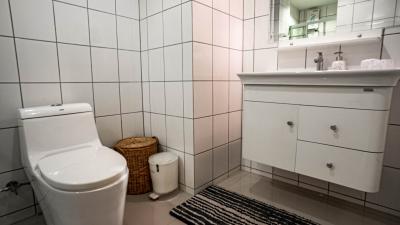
(135, 142)
(162, 158)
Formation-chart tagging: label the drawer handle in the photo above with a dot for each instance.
(290, 123)
(333, 127)
(329, 165)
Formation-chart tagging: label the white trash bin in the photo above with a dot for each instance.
(164, 173)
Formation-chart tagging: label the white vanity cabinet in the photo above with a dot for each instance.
(320, 124)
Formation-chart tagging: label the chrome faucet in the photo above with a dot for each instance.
(319, 61)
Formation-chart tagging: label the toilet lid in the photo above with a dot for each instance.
(82, 169)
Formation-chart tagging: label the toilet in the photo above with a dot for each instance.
(77, 180)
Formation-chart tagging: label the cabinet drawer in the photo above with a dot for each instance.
(350, 168)
(350, 128)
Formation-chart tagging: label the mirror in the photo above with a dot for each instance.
(306, 18)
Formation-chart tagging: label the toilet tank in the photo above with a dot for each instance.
(49, 128)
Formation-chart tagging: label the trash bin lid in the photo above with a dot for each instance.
(162, 158)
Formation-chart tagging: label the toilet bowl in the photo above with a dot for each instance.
(77, 180)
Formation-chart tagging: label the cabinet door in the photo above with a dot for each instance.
(270, 134)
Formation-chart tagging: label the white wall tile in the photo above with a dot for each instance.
(76, 2)
(173, 62)
(202, 134)
(388, 22)
(77, 93)
(265, 60)
(187, 27)
(33, 19)
(220, 161)
(248, 11)
(358, 52)
(220, 97)
(170, 3)
(132, 125)
(145, 65)
(292, 60)
(202, 62)
(104, 64)
(9, 151)
(187, 61)
(157, 97)
(363, 11)
(189, 170)
(143, 35)
(262, 32)
(344, 15)
(235, 125)
(188, 133)
(158, 128)
(384, 9)
(235, 154)
(220, 130)
(188, 99)
(248, 37)
(129, 8)
(5, 18)
(202, 98)
(129, 66)
(37, 61)
(146, 96)
(131, 97)
(153, 7)
(147, 124)
(174, 98)
(220, 63)
(248, 61)
(346, 191)
(102, 29)
(71, 23)
(155, 31)
(175, 135)
(327, 54)
(235, 96)
(142, 8)
(109, 128)
(220, 29)
(222, 5)
(262, 7)
(362, 26)
(202, 23)
(8, 62)
(10, 101)
(74, 61)
(236, 8)
(235, 64)
(128, 34)
(106, 98)
(236, 33)
(172, 26)
(203, 168)
(392, 153)
(40, 94)
(107, 6)
(156, 65)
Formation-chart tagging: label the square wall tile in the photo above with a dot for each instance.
(236, 8)
(363, 11)
(220, 97)
(142, 8)
(187, 62)
(248, 36)
(187, 27)
(388, 22)
(203, 129)
(220, 161)
(41, 94)
(344, 15)
(37, 61)
(71, 23)
(107, 6)
(77, 2)
(9, 151)
(175, 135)
(235, 64)
(189, 170)
(261, 167)
(235, 125)
(129, 8)
(104, 64)
(158, 128)
(202, 98)
(75, 63)
(188, 135)
(220, 29)
(131, 97)
(170, 3)
(235, 95)
(248, 61)
(384, 9)
(147, 124)
(358, 52)
(174, 98)
(220, 63)
(181, 164)
(129, 66)
(222, 5)
(392, 153)
(248, 9)
(33, 19)
(236, 33)
(106, 98)
(391, 48)
(188, 99)
(235, 154)
(157, 97)
(220, 130)
(262, 7)
(173, 62)
(292, 60)
(156, 65)
(203, 168)
(155, 31)
(261, 32)
(103, 31)
(145, 65)
(202, 62)
(5, 19)
(77, 93)
(346, 191)
(128, 34)
(202, 23)
(143, 35)
(109, 128)
(8, 60)
(154, 7)
(132, 125)
(265, 60)
(172, 26)
(146, 96)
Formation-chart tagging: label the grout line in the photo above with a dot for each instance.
(141, 65)
(91, 60)
(57, 50)
(118, 69)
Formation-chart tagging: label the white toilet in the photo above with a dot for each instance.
(76, 179)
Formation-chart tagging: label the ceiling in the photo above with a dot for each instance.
(305, 4)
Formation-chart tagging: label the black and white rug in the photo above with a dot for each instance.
(215, 205)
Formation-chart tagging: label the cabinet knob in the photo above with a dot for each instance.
(290, 123)
(329, 165)
(333, 127)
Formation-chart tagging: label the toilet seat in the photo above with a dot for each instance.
(81, 169)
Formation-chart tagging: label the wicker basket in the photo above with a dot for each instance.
(136, 151)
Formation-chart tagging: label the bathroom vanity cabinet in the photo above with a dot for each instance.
(328, 125)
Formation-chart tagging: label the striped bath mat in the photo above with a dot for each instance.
(215, 205)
